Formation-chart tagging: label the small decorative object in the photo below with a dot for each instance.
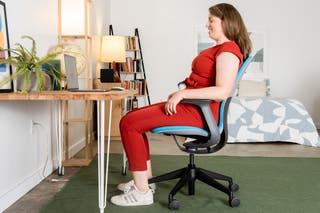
(48, 68)
(135, 103)
(29, 73)
(74, 50)
(5, 70)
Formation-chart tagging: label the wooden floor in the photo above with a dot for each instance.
(159, 145)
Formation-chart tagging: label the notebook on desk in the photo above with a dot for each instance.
(72, 76)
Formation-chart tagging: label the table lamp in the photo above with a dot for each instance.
(113, 50)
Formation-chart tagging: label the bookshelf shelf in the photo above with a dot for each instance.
(126, 72)
(76, 120)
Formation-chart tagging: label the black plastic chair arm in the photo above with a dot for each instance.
(204, 105)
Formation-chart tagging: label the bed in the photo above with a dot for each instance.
(266, 119)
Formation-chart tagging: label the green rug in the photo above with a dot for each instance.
(278, 185)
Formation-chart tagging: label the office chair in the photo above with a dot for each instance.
(205, 141)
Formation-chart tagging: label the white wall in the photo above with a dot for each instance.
(28, 156)
(167, 35)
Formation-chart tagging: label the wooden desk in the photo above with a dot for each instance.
(100, 97)
(65, 95)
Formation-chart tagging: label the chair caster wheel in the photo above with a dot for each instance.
(234, 187)
(174, 204)
(234, 202)
(61, 170)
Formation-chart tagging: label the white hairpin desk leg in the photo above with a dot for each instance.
(103, 185)
(60, 140)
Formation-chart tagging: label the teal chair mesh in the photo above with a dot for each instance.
(205, 141)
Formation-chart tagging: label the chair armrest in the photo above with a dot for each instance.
(197, 101)
(204, 105)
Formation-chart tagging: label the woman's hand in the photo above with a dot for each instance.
(173, 100)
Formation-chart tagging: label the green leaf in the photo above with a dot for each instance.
(33, 49)
(26, 61)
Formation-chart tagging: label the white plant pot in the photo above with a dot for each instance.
(34, 83)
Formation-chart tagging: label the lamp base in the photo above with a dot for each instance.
(107, 75)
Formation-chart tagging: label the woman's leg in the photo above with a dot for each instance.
(135, 124)
(149, 169)
(141, 178)
(133, 127)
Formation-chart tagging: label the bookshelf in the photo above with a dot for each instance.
(83, 39)
(132, 73)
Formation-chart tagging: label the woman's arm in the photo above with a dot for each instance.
(227, 66)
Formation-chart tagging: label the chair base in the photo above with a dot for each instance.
(189, 175)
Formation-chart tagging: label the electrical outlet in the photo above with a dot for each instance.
(34, 123)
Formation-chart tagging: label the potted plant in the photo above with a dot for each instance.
(29, 66)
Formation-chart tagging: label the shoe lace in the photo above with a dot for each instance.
(128, 187)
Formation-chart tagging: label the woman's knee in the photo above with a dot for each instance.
(126, 121)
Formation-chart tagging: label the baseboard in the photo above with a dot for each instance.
(77, 147)
(15, 192)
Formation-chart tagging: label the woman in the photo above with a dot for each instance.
(213, 74)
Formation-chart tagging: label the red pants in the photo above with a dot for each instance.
(136, 123)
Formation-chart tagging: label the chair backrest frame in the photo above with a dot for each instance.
(239, 76)
(224, 108)
(218, 131)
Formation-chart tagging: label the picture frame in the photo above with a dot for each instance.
(5, 69)
(258, 66)
(257, 69)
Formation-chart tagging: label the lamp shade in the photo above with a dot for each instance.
(113, 49)
(73, 17)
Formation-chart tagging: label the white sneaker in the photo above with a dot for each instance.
(125, 187)
(133, 198)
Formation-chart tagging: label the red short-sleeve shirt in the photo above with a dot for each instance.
(204, 65)
(204, 68)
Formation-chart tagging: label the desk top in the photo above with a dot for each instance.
(66, 95)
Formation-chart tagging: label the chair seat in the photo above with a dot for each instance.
(181, 130)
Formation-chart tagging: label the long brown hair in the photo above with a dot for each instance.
(233, 26)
